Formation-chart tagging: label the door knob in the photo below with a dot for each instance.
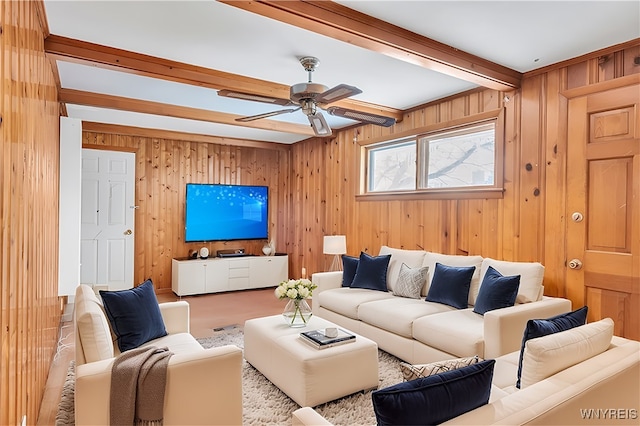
(577, 217)
(575, 264)
(128, 232)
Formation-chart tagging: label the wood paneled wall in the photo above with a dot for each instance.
(313, 184)
(165, 166)
(527, 224)
(29, 156)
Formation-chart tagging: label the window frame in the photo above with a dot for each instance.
(493, 191)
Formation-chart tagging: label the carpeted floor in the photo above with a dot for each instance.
(263, 402)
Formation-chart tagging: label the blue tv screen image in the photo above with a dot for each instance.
(215, 212)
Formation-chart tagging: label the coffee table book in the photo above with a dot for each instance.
(319, 340)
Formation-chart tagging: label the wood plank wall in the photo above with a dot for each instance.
(164, 167)
(528, 224)
(29, 156)
(315, 184)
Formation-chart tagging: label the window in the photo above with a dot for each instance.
(461, 158)
(464, 159)
(393, 166)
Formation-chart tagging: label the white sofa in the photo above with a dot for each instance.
(420, 332)
(204, 386)
(603, 389)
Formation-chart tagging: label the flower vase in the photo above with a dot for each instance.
(297, 313)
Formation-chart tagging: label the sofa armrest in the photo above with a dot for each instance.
(175, 316)
(326, 281)
(307, 416)
(504, 328)
(208, 381)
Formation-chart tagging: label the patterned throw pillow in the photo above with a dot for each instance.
(410, 281)
(412, 372)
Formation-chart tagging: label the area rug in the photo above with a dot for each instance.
(263, 403)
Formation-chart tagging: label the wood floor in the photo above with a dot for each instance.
(207, 312)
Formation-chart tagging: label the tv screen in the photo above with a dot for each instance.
(216, 212)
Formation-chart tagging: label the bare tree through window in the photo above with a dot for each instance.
(459, 158)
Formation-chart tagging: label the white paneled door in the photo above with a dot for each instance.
(107, 216)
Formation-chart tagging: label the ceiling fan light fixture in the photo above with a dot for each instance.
(252, 97)
(319, 124)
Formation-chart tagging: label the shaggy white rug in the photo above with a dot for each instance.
(263, 403)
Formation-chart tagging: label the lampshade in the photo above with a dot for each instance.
(334, 244)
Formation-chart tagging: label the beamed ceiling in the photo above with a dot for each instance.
(160, 64)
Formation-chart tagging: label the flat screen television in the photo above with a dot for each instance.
(215, 212)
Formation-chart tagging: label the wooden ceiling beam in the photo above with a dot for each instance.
(342, 23)
(77, 51)
(78, 97)
(118, 129)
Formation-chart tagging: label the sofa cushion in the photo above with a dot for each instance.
(371, 272)
(459, 332)
(411, 258)
(431, 258)
(345, 301)
(542, 327)
(496, 291)
(349, 266)
(547, 355)
(92, 328)
(450, 285)
(179, 343)
(410, 281)
(506, 370)
(531, 277)
(434, 399)
(134, 315)
(418, 371)
(403, 311)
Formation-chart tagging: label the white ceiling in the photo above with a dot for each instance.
(520, 35)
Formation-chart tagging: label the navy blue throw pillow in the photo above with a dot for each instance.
(371, 272)
(434, 399)
(450, 285)
(496, 291)
(349, 266)
(542, 327)
(134, 315)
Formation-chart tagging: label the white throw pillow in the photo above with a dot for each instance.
(547, 355)
(531, 276)
(411, 258)
(454, 260)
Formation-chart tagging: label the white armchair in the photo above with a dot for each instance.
(204, 386)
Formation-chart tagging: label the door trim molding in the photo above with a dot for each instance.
(604, 86)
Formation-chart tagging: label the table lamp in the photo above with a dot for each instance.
(337, 246)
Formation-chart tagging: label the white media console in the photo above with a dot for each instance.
(200, 276)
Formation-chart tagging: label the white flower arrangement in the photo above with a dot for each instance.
(295, 289)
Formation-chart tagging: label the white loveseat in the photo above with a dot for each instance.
(602, 389)
(204, 386)
(420, 332)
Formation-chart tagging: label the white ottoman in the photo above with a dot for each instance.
(308, 375)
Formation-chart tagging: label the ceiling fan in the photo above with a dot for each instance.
(310, 96)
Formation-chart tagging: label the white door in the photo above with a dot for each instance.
(107, 215)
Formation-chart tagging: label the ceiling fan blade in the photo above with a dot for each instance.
(364, 117)
(334, 94)
(266, 115)
(254, 97)
(319, 124)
